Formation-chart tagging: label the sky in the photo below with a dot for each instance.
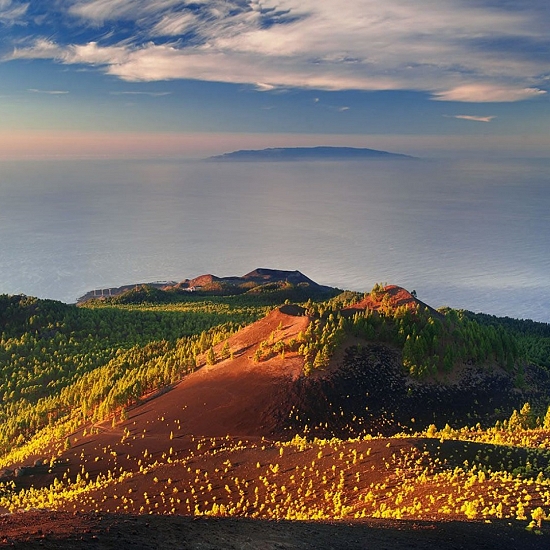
(87, 78)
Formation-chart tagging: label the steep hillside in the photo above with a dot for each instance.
(233, 396)
(368, 392)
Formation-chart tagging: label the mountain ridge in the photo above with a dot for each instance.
(211, 283)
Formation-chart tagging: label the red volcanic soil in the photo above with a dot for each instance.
(233, 396)
(397, 297)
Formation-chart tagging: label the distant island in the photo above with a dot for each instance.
(258, 280)
(307, 153)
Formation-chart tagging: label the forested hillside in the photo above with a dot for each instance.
(63, 366)
(58, 360)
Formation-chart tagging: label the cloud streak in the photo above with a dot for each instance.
(453, 50)
(150, 94)
(472, 117)
(49, 92)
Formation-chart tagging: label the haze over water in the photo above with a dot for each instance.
(467, 234)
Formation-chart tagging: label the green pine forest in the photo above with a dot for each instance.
(63, 366)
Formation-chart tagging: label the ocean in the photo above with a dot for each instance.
(467, 234)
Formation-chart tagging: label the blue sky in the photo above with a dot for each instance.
(135, 77)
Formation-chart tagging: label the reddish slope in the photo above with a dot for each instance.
(397, 297)
(234, 396)
(231, 398)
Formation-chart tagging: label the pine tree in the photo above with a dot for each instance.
(527, 418)
(225, 353)
(211, 357)
(319, 362)
(514, 423)
(546, 423)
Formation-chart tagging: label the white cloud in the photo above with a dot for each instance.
(93, 54)
(436, 46)
(41, 49)
(486, 93)
(165, 62)
(472, 117)
(90, 53)
(12, 12)
(261, 87)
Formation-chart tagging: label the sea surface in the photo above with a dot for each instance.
(467, 234)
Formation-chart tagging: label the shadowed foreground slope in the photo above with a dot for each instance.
(109, 531)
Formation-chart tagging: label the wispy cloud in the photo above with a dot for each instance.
(112, 10)
(472, 117)
(49, 92)
(12, 12)
(90, 53)
(454, 50)
(262, 87)
(175, 24)
(339, 108)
